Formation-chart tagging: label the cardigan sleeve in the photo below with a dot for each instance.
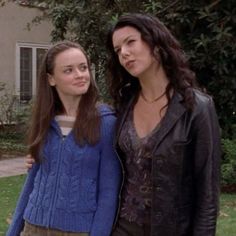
(109, 181)
(207, 170)
(17, 223)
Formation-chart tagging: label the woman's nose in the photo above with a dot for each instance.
(124, 52)
(78, 73)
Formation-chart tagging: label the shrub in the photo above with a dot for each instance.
(12, 140)
(228, 166)
(13, 122)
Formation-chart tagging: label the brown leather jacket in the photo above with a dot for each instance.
(185, 169)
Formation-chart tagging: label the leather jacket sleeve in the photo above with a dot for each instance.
(206, 170)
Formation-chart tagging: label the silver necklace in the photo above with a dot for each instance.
(152, 101)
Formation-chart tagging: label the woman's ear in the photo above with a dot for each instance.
(51, 80)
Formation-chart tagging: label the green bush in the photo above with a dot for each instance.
(12, 139)
(228, 166)
(11, 135)
(14, 120)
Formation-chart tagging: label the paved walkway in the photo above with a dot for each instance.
(12, 166)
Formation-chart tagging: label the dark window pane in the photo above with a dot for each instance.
(25, 74)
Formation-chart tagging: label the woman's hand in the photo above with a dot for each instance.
(29, 161)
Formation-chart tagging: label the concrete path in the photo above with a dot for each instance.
(12, 166)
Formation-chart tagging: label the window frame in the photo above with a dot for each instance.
(34, 47)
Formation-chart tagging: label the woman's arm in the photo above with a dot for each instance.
(206, 170)
(109, 183)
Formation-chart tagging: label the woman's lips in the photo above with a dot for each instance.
(129, 64)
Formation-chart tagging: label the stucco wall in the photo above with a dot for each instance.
(13, 22)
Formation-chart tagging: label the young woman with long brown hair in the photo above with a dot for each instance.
(72, 188)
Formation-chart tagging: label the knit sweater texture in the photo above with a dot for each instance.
(75, 188)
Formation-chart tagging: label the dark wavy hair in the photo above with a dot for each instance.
(122, 85)
(48, 104)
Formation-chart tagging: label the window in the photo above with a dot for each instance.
(28, 60)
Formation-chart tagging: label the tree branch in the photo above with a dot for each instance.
(166, 8)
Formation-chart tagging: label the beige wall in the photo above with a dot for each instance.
(13, 22)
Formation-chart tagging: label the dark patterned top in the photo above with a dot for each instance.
(137, 189)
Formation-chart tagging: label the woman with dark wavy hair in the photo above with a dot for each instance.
(167, 134)
(72, 189)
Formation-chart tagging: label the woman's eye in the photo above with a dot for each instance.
(131, 41)
(83, 67)
(117, 51)
(68, 70)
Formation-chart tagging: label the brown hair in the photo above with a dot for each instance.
(48, 104)
(165, 48)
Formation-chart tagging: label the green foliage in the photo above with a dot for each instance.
(206, 31)
(228, 166)
(12, 140)
(11, 112)
(12, 147)
(13, 122)
(2, 3)
(7, 102)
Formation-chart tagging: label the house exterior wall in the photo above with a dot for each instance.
(13, 31)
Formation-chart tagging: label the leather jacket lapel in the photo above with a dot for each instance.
(175, 110)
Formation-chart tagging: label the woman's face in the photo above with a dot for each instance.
(134, 54)
(71, 76)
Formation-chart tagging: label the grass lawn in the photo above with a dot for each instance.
(11, 186)
(227, 220)
(9, 192)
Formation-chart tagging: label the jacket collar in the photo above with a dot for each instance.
(175, 110)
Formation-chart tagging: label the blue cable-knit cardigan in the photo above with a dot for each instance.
(74, 188)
